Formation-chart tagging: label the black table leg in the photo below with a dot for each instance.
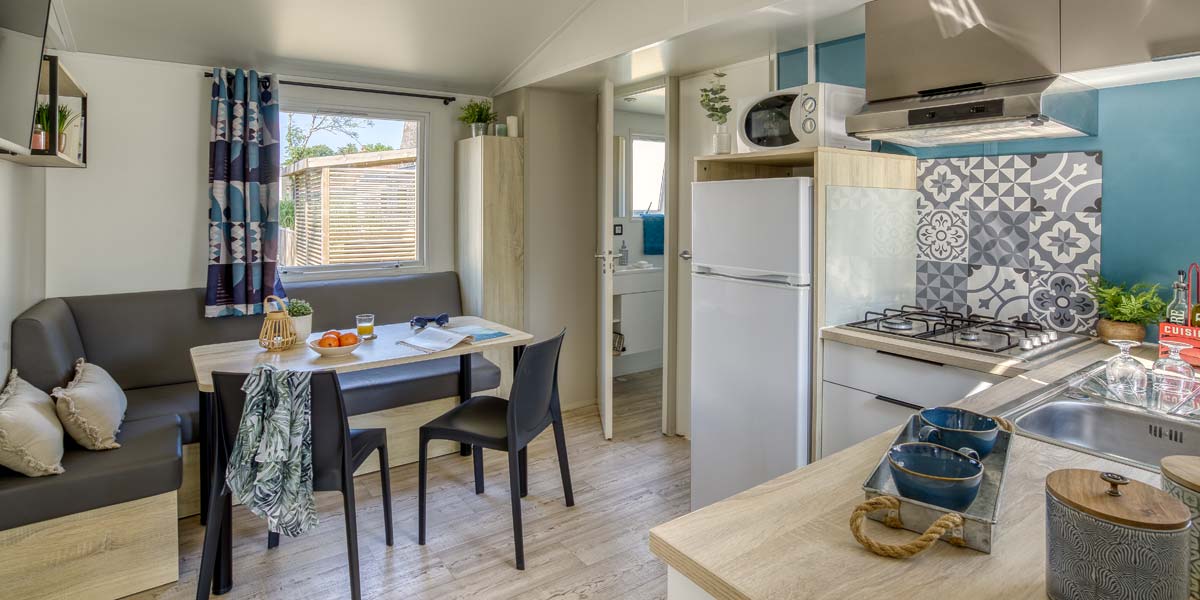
(518, 351)
(206, 447)
(464, 392)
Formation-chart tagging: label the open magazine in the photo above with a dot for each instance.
(436, 339)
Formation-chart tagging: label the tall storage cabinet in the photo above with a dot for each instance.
(490, 189)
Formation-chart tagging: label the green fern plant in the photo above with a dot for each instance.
(714, 101)
(1139, 303)
(477, 111)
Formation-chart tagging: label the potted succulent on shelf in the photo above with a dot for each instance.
(478, 114)
(714, 101)
(1126, 311)
(301, 313)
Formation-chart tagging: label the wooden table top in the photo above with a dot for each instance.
(383, 351)
(790, 537)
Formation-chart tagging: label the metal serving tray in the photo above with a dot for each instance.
(980, 516)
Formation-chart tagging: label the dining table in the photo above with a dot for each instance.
(387, 349)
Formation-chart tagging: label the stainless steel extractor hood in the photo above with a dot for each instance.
(1052, 107)
(964, 71)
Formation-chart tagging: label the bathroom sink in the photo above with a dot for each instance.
(1059, 414)
(632, 280)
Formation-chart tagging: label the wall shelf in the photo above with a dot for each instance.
(56, 86)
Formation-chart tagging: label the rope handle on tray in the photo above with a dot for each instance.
(892, 505)
(1005, 424)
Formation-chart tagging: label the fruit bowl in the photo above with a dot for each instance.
(334, 351)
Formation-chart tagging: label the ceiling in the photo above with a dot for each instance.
(467, 46)
(649, 102)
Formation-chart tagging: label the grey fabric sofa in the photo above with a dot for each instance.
(143, 340)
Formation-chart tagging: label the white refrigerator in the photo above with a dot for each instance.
(751, 309)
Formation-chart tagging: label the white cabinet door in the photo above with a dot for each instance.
(641, 321)
(851, 416)
(908, 379)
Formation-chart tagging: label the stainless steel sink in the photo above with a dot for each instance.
(1133, 435)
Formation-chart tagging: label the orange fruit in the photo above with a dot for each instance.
(328, 342)
(333, 332)
(348, 339)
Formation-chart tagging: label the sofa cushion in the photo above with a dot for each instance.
(394, 299)
(401, 385)
(181, 399)
(31, 438)
(91, 407)
(148, 463)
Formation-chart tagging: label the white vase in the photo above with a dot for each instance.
(722, 143)
(303, 327)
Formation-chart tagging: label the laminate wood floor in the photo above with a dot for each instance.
(596, 549)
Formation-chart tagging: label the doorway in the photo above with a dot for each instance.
(639, 204)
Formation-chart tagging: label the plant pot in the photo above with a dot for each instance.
(722, 143)
(303, 327)
(1117, 330)
(479, 129)
(39, 140)
(62, 143)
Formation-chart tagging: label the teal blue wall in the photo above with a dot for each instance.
(1150, 137)
(839, 61)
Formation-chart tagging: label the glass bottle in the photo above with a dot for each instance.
(1177, 310)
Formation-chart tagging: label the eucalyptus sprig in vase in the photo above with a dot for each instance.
(1126, 311)
(716, 104)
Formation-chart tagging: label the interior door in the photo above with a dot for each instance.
(604, 259)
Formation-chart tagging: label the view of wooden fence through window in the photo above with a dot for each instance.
(359, 204)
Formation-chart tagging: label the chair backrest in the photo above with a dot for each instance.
(534, 389)
(330, 428)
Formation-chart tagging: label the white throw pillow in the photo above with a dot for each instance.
(91, 407)
(31, 438)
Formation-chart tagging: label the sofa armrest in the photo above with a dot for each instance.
(45, 344)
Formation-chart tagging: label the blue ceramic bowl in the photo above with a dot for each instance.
(958, 428)
(935, 474)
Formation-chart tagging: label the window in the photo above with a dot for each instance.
(649, 157)
(351, 193)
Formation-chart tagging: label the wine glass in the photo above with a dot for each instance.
(1174, 376)
(1126, 376)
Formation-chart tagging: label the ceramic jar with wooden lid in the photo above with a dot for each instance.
(1181, 478)
(1110, 537)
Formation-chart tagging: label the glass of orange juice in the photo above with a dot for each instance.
(366, 326)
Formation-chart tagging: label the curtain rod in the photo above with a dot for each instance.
(446, 100)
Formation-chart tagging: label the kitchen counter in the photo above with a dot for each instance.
(790, 537)
(996, 364)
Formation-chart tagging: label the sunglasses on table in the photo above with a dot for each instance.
(441, 320)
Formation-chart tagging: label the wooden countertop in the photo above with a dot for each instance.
(995, 364)
(790, 537)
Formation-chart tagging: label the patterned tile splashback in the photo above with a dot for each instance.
(1011, 236)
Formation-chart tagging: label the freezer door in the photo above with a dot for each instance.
(753, 227)
(750, 384)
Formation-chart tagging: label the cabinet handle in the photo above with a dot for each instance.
(920, 360)
(908, 405)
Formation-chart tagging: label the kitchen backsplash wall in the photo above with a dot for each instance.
(1011, 236)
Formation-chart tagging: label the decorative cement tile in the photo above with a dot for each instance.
(943, 183)
(999, 238)
(942, 284)
(1001, 292)
(942, 235)
(1000, 183)
(1066, 243)
(1062, 301)
(1067, 182)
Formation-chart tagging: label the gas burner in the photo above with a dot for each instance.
(969, 335)
(1002, 328)
(897, 324)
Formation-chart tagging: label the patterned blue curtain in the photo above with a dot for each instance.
(243, 192)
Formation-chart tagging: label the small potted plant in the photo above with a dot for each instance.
(714, 101)
(66, 116)
(301, 313)
(478, 114)
(1126, 311)
(41, 124)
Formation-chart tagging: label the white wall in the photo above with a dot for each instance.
(136, 218)
(695, 139)
(22, 247)
(560, 228)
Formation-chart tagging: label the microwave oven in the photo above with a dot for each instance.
(805, 116)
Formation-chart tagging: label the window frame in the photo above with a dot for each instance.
(380, 269)
(649, 137)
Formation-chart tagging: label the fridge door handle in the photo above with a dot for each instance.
(686, 255)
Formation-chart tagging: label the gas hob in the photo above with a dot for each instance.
(1021, 339)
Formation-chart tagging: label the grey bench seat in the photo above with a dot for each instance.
(148, 463)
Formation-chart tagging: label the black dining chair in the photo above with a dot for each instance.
(508, 425)
(337, 451)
